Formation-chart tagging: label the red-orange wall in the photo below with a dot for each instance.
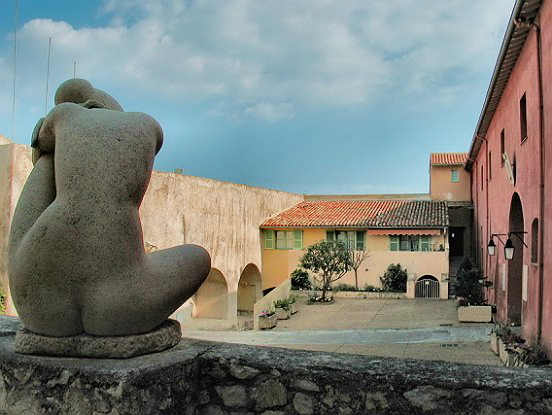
(494, 217)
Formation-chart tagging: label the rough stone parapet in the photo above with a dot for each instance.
(167, 335)
(197, 377)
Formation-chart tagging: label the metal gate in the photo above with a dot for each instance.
(427, 288)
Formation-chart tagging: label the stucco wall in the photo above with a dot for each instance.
(278, 264)
(492, 191)
(222, 217)
(15, 166)
(442, 188)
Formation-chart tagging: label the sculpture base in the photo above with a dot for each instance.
(165, 336)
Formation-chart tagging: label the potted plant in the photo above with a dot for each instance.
(509, 347)
(282, 308)
(472, 306)
(531, 355)
(497, 333)
(267, 319)
(292, 300)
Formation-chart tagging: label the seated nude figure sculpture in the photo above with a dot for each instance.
(76, 259)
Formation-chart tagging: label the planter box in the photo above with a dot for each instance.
(267, 322)
(475, 314)
(282, 314)
(293, 308)
(321, 302)
(509, 359)
(494, 343)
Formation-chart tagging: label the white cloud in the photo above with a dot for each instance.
(264, 59)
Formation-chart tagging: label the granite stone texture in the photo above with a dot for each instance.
(167, 335)
(76, 260)
(196, 377)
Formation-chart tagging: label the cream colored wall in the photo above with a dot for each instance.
(278, 264)
(441, 187)
(15, 166)
(222, 217)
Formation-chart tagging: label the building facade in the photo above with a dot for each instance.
(510, 181)
(412, 233)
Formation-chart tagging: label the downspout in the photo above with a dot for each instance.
(486, 195)
(541, 183)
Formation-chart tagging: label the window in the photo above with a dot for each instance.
(410, 243)
(502, 147)
(523, 117)
(353, 239)
(454, 176)
(490, 167)
(535, 241)
(283, 239)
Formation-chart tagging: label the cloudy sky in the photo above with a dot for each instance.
(307, 96)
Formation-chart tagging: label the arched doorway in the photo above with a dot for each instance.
(515, 266)
(427, 286)
(249, 289)
(211, 300)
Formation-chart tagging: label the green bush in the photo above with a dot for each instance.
(344, 287)
(469, 285)
(300, 280)
(394, 279)
(372, 289)
(284, 303)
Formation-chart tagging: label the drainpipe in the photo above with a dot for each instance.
(541, 182)
(486, 195)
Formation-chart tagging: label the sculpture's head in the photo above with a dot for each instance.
(80, 91)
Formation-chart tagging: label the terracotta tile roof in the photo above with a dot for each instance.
(448, 159)
(363, 214)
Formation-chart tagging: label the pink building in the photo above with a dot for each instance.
(510, 180)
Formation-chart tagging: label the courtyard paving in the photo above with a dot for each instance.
(419, 329)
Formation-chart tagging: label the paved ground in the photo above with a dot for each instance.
(421, 329)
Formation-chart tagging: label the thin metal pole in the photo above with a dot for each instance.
(74, 69)
(16, 3)
(47, 75)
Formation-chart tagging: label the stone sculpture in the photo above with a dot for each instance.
(77, 265)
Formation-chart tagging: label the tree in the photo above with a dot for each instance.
(330, 260)
(357, 258)
(469, 285)
(394, 279)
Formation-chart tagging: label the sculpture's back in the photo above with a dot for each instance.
(76, 261)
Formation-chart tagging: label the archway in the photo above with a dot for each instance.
(211, 300)
(249, 289)
(515, 266)
(427, 286)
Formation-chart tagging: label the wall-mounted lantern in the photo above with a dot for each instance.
(508, 245)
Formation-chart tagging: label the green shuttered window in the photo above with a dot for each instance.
(283, 239)
(353, 239)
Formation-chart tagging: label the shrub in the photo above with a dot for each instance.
(394, 279)
(283, 303)
(372, 289)
(300, 280)
(345, 287)
(532, 354)
(469, 286)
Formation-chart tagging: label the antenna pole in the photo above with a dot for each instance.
(16, 3)
(47, 75)
(74, 69)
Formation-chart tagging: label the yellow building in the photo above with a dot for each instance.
(410, 232)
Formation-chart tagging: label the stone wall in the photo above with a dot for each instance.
(198, 377)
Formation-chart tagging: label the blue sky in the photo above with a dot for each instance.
(306, 96)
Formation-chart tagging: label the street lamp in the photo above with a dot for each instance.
(491, 247)
(508, 246)
(509, 250)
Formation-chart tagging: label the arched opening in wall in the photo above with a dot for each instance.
(427, 286)
(211, 300)
(249, 289)
(515, 266)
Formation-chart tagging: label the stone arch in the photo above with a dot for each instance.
(427, 286)
(249, 288)
(211, 300)
(515, 266)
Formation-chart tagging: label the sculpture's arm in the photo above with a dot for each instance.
(38, 193)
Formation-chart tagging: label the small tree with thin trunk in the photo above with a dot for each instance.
(357, 258)
(328, 260)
